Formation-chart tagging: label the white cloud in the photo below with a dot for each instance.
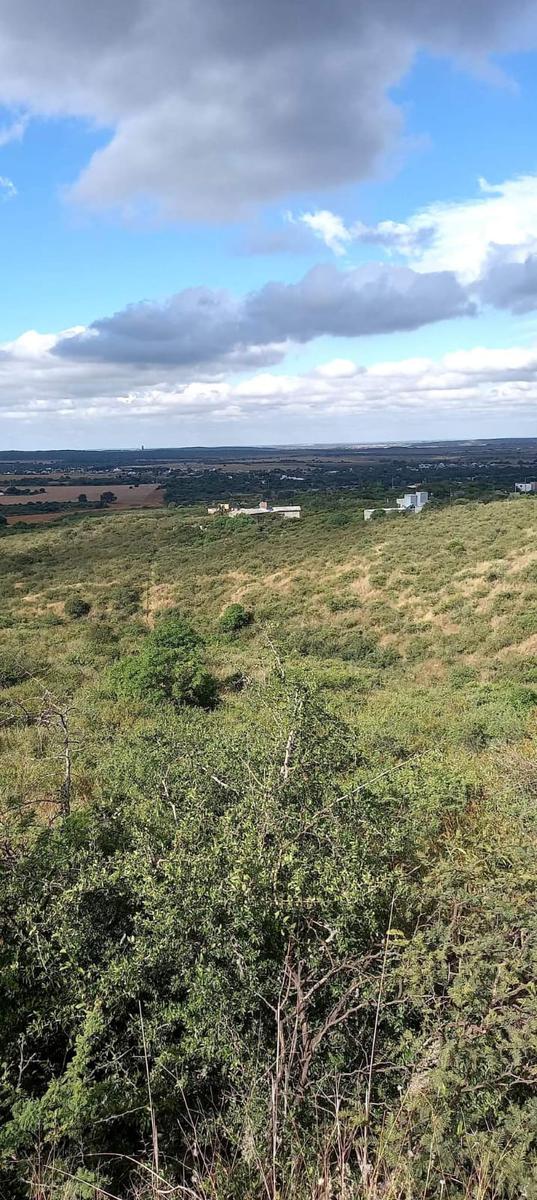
(330, 228)
(459, 236)
(7, 188)
(337, 368)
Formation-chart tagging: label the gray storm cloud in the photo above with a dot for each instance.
(212, 107)
(200, 327)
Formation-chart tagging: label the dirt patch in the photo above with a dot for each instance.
(280, 581)
(36, 604)
(362, 587)
(466, 587)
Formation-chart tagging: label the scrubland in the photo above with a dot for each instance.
(268, 878)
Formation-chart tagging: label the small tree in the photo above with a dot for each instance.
(107, 498)
(82, 499)
(234, 618)
(168, 667)
(76, 607)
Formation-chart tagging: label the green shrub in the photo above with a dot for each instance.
(126, 599)
(342, 603)
(168, 667)
(234, 618)
(75, 607)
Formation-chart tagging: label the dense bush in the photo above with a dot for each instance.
(210, 904)
(168, 667)
(76, 607)
(126, 599)
(234, 618)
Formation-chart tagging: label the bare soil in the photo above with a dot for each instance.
(146, 495)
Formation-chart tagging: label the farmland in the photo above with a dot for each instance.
(32, 502)
(127, 495)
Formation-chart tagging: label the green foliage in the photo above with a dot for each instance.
(168, 667)
(300, 881)
(76, 607)
(234, 618)
(126, 599)
(346, 844)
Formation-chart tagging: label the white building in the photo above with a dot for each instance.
(411, 502)
(289, 512)
(526, 487)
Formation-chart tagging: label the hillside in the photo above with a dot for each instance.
(444, 603)
(268, 881)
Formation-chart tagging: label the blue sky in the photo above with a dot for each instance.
(152, 220)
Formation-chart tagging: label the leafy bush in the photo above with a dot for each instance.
(186, 930)
(126, 599)
(76, 607)
(168, 667)
(234, 618)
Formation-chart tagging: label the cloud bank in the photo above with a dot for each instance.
(199, 326)
(37, 385)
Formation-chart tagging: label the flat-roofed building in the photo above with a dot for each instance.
(289, 512)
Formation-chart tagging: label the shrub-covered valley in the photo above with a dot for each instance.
(268, 869)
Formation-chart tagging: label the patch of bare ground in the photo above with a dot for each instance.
(389, 639)
(363, 587)
(466, 587)
(281, 581)
(241, 583)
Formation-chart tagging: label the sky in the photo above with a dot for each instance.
(229, 222)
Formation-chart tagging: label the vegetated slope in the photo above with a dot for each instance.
(292, 852)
